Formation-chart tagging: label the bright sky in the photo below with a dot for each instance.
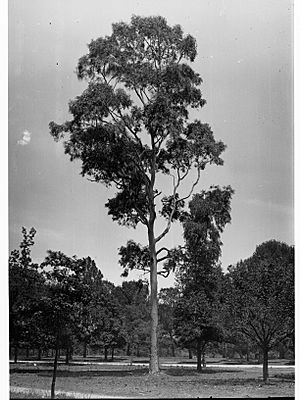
(245, 57)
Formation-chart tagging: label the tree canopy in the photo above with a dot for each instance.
(261, 300)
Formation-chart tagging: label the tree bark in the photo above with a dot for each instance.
(105, 353)
(224, 355)
(67, 356)
(154, 362)
(173, 348)
(199, 355)
(172, 344)
(16, 353)
(128, 350)
(84, 349)
(112, 353)
(190, 353)
(39, 354)
(54, 368)
(282, 351)
(265, 365)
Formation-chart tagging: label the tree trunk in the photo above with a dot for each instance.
(105, 353)
(16, 354)
(173, 344)
(203, 359)
(199, 356)
(84, 349)
(282, 351)
(112, 353)
(248, 353)
(128, 350)
(265, 365)
(67, 360)
(224, 355)
(154, 362)
(173, 349)
(27, 352)
(190, 353)
(54, 369)
(39, 354)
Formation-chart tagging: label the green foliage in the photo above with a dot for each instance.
(25, 288)
(168, 298)
(106, 318)
(131, 122)
(261, 300)
(132, 298)
(200, 278)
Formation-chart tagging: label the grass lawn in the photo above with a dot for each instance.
(134, 381)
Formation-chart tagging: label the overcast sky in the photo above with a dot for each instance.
(245, 57)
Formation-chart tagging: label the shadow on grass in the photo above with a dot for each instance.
(193, 372)
(82, 373)
(286, 377)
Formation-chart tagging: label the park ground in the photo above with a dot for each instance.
(219, 379)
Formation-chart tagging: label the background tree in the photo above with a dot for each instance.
(93, 303)
(200, 277)
(109, 332)
(25, 284)
(131, 125)
(132, 298)
(168, 298)
(61, 303)
(261, 301)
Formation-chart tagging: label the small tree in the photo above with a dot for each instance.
(62, 300)
(261, 298)
(132, 125)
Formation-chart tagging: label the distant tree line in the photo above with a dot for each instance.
(64, 305)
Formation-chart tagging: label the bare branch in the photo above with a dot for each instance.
(157, 194)
(193, 186)
(162, 249)
(163, 258)
(164, 274)
(176, 185)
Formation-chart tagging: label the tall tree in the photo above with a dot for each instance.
(261, 297)
(132, 124)
(200, 278)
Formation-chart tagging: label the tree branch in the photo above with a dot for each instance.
(193, 186)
